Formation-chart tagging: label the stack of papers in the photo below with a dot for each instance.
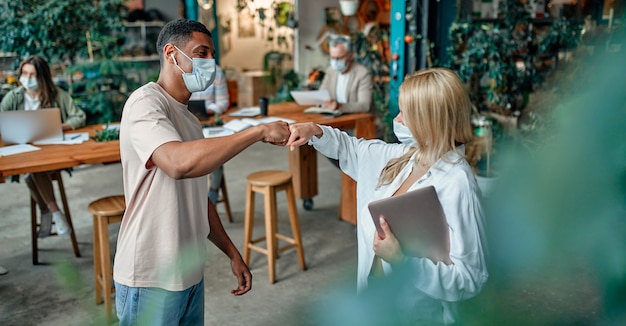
(17, 149)
(310, 97)
(68, 139)
(245, 123)
(211, 132)
(246, 112)
(315, 109)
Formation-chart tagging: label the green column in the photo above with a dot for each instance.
(397, 47)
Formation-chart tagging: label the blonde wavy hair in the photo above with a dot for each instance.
(436, 108)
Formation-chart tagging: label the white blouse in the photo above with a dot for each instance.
(435, 286)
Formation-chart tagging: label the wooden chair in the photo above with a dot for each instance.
(55, 176)
(106, 210)
(269, 183)
(224, 198)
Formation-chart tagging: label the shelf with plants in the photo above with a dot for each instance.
(100, 88)
(504, 60)
(140, 38)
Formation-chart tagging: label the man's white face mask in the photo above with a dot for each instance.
(338, 64)
(202, 74)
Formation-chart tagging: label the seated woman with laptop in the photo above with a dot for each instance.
(37, 91)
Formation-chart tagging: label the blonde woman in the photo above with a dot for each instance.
(433, 124)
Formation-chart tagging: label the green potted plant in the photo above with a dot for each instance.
(60, 30)
(503, 61)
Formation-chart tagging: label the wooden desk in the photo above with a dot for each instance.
(55, 157)
(302, 161)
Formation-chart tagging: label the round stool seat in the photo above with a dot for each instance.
(269, 178)
(108, 206)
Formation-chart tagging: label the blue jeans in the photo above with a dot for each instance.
(155, 306)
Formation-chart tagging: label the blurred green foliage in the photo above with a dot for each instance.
(57, 29)
(556, 221)
(104, 86)
(560, 206)
(503, 60)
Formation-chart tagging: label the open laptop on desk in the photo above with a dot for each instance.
(22, 127)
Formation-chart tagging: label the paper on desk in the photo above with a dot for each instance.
(272, 119)
(238, 125)
(311, 97)
(315, 109)
(111, 126)
(68, 139)
(17, 149)
(211, 132)
(246, 112)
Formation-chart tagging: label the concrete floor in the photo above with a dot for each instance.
(61, 292)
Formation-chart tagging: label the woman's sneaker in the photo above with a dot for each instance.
(45, 225)
(62, 226)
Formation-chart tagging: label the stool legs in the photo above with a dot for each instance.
(66, 210)
(272, 249)
(270, 231)
(33, 231)
(248, 224)
(295, 225)
(105, 211)
(225, 199)
(105, 261)
(103, 279)
(97, 264)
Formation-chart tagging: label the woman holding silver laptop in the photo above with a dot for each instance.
(37, 91)
(433, 124)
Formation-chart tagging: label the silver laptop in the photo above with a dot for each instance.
(417, 220)
(22, 127)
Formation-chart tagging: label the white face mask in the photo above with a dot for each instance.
(29, 83)
(403, 133)
(202, 75)
(338, 64)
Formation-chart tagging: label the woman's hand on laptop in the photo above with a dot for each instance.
(386, 246)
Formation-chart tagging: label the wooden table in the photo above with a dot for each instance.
(302, 161)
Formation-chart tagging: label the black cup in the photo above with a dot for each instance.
(263, 102)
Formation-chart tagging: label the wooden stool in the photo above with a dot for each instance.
(55, 176)
(269, 183)
(106, 210)
(224, 198)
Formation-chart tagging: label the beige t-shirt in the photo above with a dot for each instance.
(162, 238)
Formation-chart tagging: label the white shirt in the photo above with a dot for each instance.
(31, 103)
(434, 287)
(342, 86)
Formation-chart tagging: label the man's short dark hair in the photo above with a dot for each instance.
(178, 32)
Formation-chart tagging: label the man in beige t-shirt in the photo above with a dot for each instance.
(161, 249)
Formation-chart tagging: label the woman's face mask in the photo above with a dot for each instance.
(403, 133)
(202, 75)
(29, 83)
